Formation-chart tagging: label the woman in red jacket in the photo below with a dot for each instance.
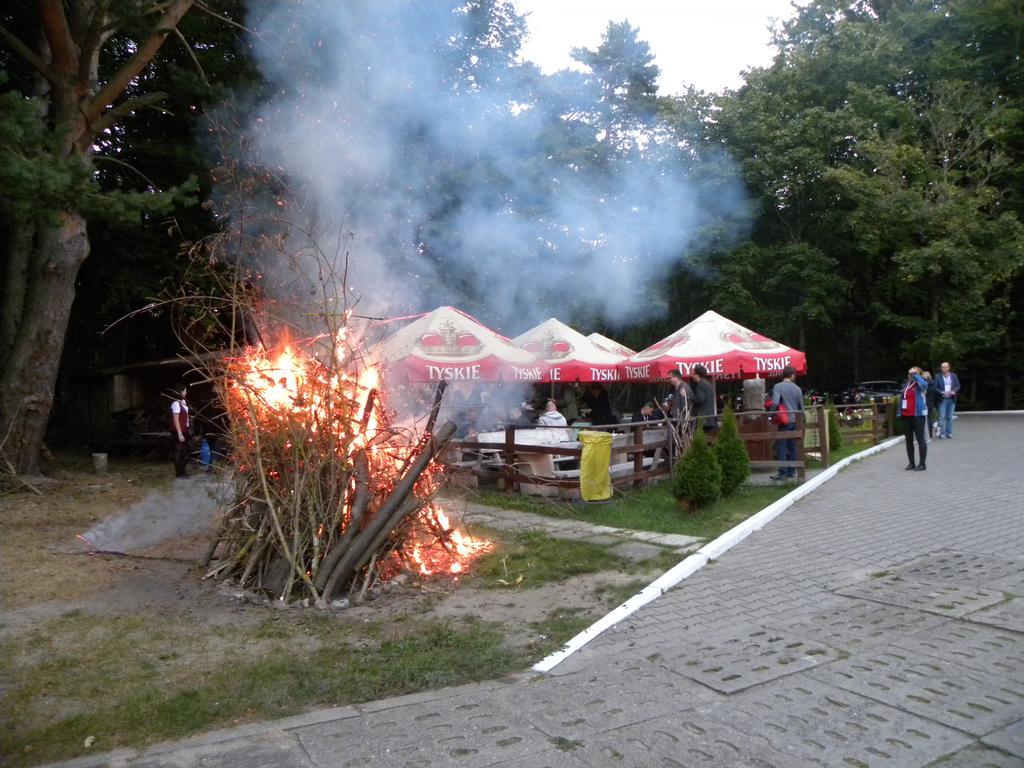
(914, 412)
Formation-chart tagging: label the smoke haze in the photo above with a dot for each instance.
(188, 508)
(458, 176)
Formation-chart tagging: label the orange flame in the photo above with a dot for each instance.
(295, 393)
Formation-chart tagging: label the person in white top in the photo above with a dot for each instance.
(180, 429)
(948, 385)
(552, 418)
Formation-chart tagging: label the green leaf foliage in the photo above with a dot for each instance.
(697, 477)
(835, 437)
(731, 452)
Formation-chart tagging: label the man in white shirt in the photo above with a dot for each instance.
(948, 385)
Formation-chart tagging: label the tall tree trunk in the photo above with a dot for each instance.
(30, 371)
(15, 282)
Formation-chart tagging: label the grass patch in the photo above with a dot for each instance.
(651, 509)
(836, 456)
(566, 745)
(557, 628)
(617, 594)
(126, 681)
(539, 559)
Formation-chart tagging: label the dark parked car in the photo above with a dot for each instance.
(868, 391)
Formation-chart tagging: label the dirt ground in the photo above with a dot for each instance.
(47, 570)
(63, 603)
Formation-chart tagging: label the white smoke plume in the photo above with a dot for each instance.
(189, 508)
(450, 170)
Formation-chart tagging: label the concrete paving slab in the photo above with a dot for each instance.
(818, 723)
(962, 568)
(466, 731)
(976, 646)
(978, 756)
(603, 540)
(636, 551)
(946, 693)
(851, 624)
(674, 540)
(736, 660)
(681, 740)
(1009, 739)
(274, 749)
(1009, 614)
(579, 706)
(561, 756)
(945, 599)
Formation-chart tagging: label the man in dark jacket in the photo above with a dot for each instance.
(704, 399)
(680, 402)
(646, 413)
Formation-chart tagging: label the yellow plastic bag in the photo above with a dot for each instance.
(595, 480)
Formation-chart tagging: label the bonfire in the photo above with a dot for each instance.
(331, 494)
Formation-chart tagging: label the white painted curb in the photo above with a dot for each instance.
(710, 551)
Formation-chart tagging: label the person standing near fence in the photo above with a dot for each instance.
(705, 407)
(914, 412)
(181, 429)
(787, 401)
(948, 385)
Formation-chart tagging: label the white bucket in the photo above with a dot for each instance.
(99, 463)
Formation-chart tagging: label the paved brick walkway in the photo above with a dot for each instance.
(873, 624)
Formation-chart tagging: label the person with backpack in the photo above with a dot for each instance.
(787, 400)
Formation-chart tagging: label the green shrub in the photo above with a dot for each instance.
(697, 478)
(835, 437)
(731, 452)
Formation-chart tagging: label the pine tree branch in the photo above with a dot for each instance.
(134, 67)
(30, 57)
(58, 36)
(111, 116)
(191, 54)
(98, 32)
(204, 8)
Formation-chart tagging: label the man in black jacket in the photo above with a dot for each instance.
(704, 399)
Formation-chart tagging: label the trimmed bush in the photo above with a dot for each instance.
(835, 437)
(731, 452)
(697, 478)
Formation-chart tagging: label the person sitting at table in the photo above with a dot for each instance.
(646, 413)
(552, 418)
(596, 399)
(521, 416)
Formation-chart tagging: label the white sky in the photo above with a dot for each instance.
(706, 43)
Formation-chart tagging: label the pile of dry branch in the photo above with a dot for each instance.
(327, 495)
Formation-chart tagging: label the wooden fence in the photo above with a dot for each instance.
(636, 458)
(864, 423)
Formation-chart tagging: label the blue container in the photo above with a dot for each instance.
(204, 454)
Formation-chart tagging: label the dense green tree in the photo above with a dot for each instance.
(697, 476)
(883, 148)
(731, 452)
(80, 67)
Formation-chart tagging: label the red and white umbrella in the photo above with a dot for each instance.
(569, 354)
(449, 345)
(726, 349)
(610, 345)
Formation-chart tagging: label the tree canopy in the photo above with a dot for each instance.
(859, 198)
